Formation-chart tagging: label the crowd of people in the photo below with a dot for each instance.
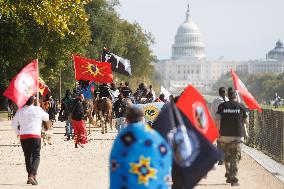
(88, 92)
(230, 117)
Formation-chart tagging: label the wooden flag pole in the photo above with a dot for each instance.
(60, 87)
(37, 93)
(245, 126)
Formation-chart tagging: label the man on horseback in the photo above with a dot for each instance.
(104, 91)
(149, 99)
(126, 91)
(104, 107)
(161, 98)
(85, 89)
(141, 94)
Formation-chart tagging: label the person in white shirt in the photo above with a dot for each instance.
(214, 108)
(114, 92)
(27, 124)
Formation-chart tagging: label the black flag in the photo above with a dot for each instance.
(118, 64)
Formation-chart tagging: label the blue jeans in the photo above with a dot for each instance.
(69, 128)
(120, 123)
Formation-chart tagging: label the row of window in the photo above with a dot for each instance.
(188, 51)
(182, 39)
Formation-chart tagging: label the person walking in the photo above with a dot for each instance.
(119, 108)
(78, 123)
(27, 124)
(232, 116)
(65, 112)
(214, 108)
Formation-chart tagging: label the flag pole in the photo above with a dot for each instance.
(74, 70)
(37, 93)
(245, 126)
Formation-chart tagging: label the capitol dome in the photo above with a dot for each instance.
(188, 41)
(278, 52)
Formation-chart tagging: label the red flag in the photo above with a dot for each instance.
(87, 69)
(43, 88)
(193, 105)
(23, 85)
(242, 90)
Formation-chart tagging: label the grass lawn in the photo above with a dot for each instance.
(3, 116)
(280, 108)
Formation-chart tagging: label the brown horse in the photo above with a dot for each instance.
(88, 108)
(104, 112)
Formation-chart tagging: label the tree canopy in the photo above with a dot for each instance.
(54, 30)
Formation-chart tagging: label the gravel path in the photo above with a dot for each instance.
(64, 167)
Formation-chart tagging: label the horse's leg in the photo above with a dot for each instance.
(89, 128)
(110, 119)
(105, 121)
(102, 121)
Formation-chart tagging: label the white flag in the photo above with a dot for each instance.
(165, 92)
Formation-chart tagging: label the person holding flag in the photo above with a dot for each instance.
(85, 89)
(27, 124)
(232, 116)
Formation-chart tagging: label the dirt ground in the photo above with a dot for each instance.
(64, 167)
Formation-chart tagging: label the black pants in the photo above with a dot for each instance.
(177, 177)
(31, 148)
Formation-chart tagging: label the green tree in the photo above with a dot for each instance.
(56, 15)
(53, 30)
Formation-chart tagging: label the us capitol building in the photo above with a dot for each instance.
(188, 64)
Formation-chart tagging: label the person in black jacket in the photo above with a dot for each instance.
(65, 112)
(232, 116)
(120, 110)
(78, 123)
(104, 91)
(126, 91)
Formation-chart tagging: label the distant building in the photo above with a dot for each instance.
(188, 64)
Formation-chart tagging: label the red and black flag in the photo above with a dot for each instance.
(193, 105)
(193, 154)
(87, 69)
(118, 64)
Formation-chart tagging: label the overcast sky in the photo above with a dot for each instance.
(235, 29)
